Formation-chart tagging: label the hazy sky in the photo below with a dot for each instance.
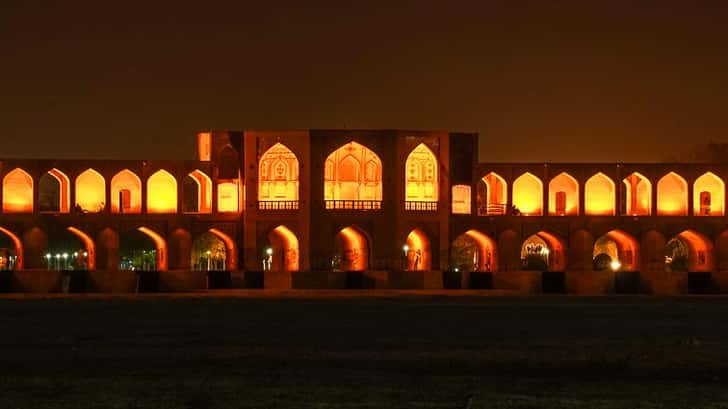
(539, 80)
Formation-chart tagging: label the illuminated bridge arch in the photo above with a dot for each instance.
(197, 192)
(90, 191)
(161, 192)
(599, 196)
(17, 192)
(616, 250)
(672, 195)
(421, 175)
(689, 251)
(18, 247)
(88, 244)
(473, 251)
(637, 195)
(492, 195)
(285, 251)
(543, 251)
(126, 192)
(54, 192)
(353, 178)
(417, 251)
(563, 195)
(161, 246)
(709, 195)
(278, 176)
(351, 250)
(528, 195)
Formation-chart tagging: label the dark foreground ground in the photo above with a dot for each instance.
(349, 351)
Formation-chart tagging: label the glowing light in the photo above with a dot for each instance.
(161, 193)
(672, 195)
(528, 195)
(17, 192)
(461, 199)
(495, 197)
(227, 197)
(563, 195)
(269, 251)
(204, 146)
(278, 175)
(285, 245)
(126, 192)
(615, 265)
(417, 251)
(638, 195)
(161, 246)
(599, 196)
(708, 195)
(90, 191)
(421, 175)
(352, 172)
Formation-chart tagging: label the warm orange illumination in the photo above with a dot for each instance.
(709, 196)
(417, 251)
(621, 248)
(672, 195)
(638, 195)
(19, 262)
(161, 193)
(17, 192)
(563, 195)
(546, 247)
(64, 192)
(528, 195)
(278, 175)
(227, 197)
(354, 250)
(126, 192)
(161, 246)
(285, 249)
(352, 173)
(204, 146)
(599, 196)
(231, 261)
(421, 175)
(700, 251)
(90, 191)
(461, 199)
(204, 191)
(487, 256)
(492, 195)
(88, 243)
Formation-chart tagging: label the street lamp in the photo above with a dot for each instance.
(208, 252)
(615, 265)
(48, 260)
(58, 261)
(65, 261)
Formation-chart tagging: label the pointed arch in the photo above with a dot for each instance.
(17, 192)
(278, 175)
(285, 249)
(346, 185)
(528, 195)
(231, 262)
(622, 249)
(599, 195)
(197, 192)
(18, 244)
(421, 175)
(672, 195)
(90, 191)
(54, 192)
(709, 195)
(351, 250)
(483, 258)
(126, 192)
(417, 251)
(88, 243)
(563, 195)
(689, 251)
(492, 195)
(160, 244)
(543, 251)
(161, 193)
(638, 195)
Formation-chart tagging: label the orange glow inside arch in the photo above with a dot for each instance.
(17, 192)
(161, 193)
(19, 262)
(672, 195)
(563, 195)
(638, 195)
(709, 195)
(64, 200)
(495, 199)
(626, 249)
(126, 192)
(204, 190)
(354, 249)
(599, 196)
(352, 173)
(286, 251)
(528, 195)
(700, 251)
(419, 256)
(547, 246)
(161, 246)
(88, 243)
(91, 191)
(231, 262)
(487, 257)
(421, 175)
(278, 175)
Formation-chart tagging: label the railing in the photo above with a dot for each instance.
(353, 204)
(278, 205)
(421, 206)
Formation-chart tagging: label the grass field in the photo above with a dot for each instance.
(345, 350)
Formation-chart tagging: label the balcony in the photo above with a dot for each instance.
(420, 206)
(353, 204)
(278, 205)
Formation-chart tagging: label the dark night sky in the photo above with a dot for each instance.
(539, 80)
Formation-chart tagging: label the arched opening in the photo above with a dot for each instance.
(617, 251)
(142, 249)
(161, 193)
(278, 178)
(473, 251)
(637, 195)
(11, 251)
(209, 253)
(416, 251)
(421, 179)
(90, 192)
(492, 195)
(528, 195)
(353, 178)
(351, 250)
(87, 257)
(461, 199)
(689, 251)
(197, 193)
(672, 195)
(17, 192)
(599, 195)
(709, 195)
(126, 192)
(283, 252)
(69, 249)
(563, 195)
(543, 252)
(54, 192)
